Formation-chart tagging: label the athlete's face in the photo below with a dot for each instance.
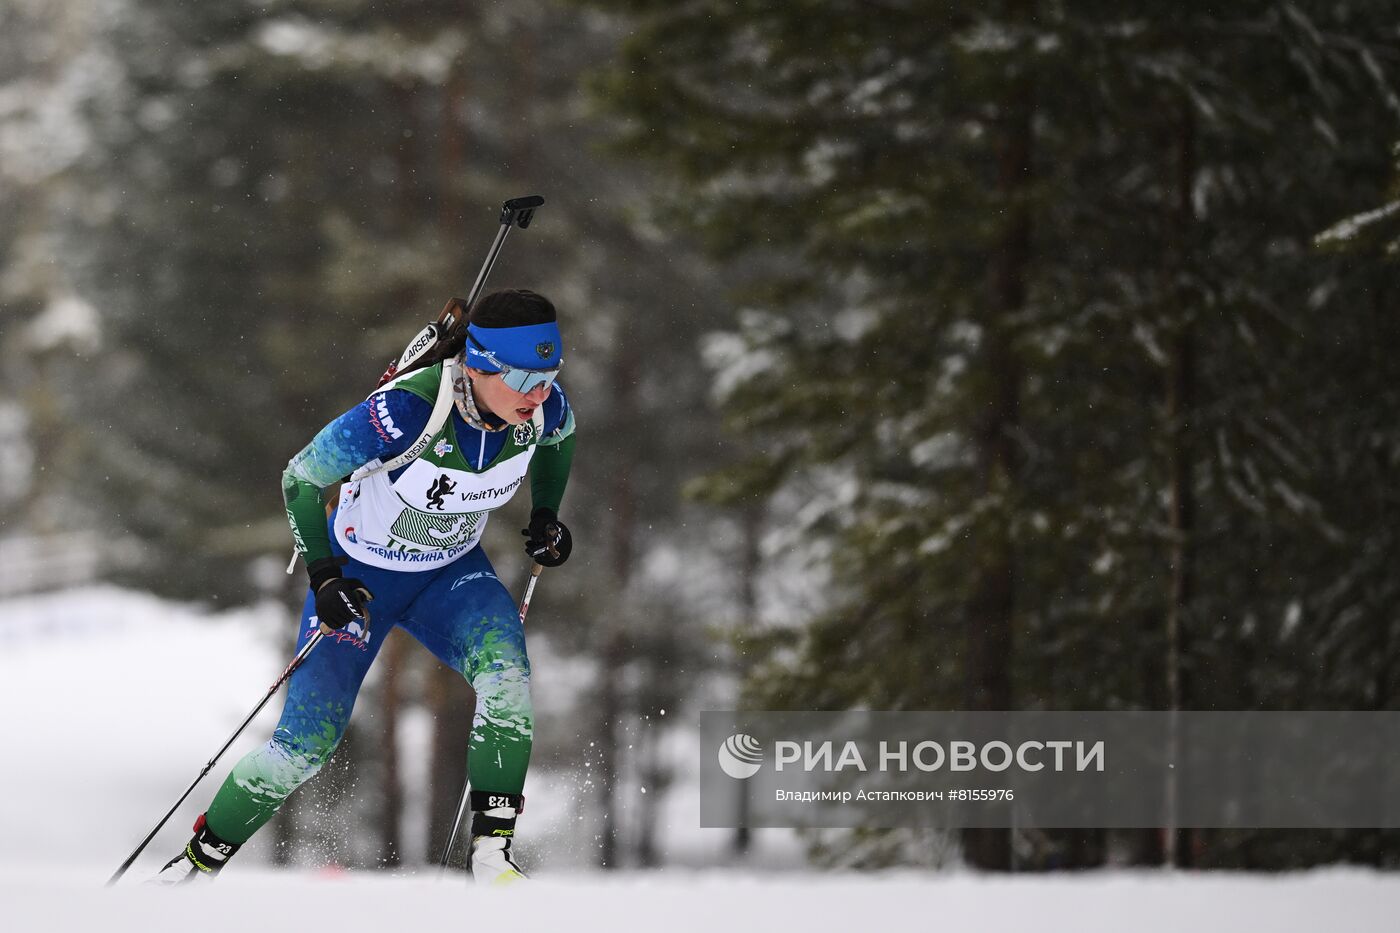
(495, 397)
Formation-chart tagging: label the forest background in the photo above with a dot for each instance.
(1010, 355)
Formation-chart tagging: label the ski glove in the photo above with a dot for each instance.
(339, 601)
(547, 539)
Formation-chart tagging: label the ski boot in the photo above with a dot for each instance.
(493, 828)
(204, 857)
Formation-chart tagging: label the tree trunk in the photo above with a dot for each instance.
(609, 712)
(752, 523)
(1181, 405)
(452, 703)
(616, 645)
(452, 153)
(391, 660)
(992, 608)
(656, 779)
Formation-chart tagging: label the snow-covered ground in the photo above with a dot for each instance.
(108, 716)
(115, 700)
(709, 902)
(105, 722)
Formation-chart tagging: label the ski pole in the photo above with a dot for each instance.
(296, 662)
(467, 784)
(535, 572)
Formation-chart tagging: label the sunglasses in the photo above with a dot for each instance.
(523, 381)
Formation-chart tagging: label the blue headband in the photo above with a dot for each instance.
(532, 346)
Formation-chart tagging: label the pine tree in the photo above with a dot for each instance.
(1022, 338)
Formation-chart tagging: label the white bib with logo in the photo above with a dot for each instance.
(436, 510)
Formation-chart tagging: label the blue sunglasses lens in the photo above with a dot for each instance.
(527, 380)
